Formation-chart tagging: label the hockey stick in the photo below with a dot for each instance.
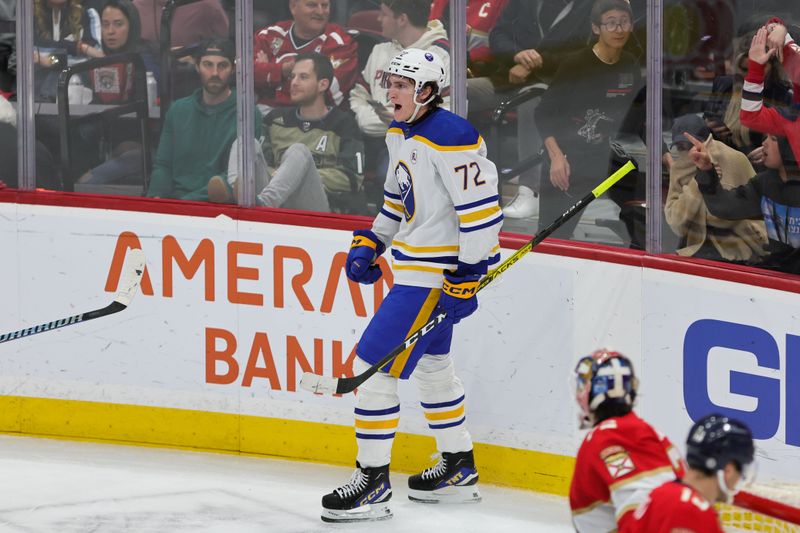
(329, 385)
(132, 275)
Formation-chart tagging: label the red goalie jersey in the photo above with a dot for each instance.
(674, 506)
(620, 461)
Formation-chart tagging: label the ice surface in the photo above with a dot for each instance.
(65, 486)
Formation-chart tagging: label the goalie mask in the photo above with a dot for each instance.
(421, 67)
(716, 440)
(603, 378)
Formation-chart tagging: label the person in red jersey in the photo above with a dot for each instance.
(754, 114)
(277, 46)
(720, 452)
(622, 458)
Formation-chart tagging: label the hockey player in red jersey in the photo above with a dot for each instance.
(622, 457)
(719, 452)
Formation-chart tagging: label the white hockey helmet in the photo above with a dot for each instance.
(419, 65)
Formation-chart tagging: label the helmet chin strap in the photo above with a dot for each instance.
(418, 106)
(723, 487)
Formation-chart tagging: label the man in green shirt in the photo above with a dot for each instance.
(199, 129)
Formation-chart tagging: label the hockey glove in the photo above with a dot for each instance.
(459, 298)
(364, 250)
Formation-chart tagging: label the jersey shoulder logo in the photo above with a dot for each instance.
(618, 461)
(275, 45)
(406, 184)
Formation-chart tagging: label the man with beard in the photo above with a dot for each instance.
(309, 149)
(199, 129)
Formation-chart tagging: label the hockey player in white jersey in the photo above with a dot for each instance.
(441, 219)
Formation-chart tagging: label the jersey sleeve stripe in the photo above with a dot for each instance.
(751, 105)
(477, 203)
(491, 223)
(425, 249)
(475, 216)
(392, 216)
(394, 206)
(751, 87)
(418, 268)
(391, 195)
(441, 148)
(396, 131)
(442, 260)
(655, 472)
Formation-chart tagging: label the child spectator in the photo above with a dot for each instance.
(772, 195)
(702, 234)
(584, 109)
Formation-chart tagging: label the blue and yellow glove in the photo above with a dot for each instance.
(459, 295)
(364, 250)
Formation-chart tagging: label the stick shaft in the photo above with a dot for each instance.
(345, 385)
(128, 286)
(113, 307)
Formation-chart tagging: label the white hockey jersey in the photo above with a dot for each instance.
(369, 91)
(440, 209)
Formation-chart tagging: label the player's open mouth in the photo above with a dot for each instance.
(397, 107)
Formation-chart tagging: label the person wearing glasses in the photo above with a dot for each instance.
(597, 92)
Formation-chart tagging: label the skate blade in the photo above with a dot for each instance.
(451, 494)
(367, 513)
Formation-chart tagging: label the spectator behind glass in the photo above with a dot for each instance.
(309, 149)
(199, 129)
(120, 33)
(754, 114)
(405, 23)
(191, 23)
(530, 36)
(702, 234)
(787, 51)
(8, 47)
(46, 171)
(59, 34)
(59, 25)
(277, 46)
(114, 84)
(585, 108)
(773, 195)
(722, 110)
(482, 16)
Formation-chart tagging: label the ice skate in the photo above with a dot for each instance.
(452, 480)
(365, 497)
